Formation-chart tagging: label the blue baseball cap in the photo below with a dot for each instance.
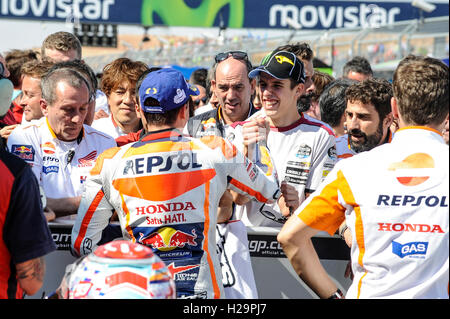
(169, 87)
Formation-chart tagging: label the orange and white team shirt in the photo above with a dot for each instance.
(166, 189)
(394, 199)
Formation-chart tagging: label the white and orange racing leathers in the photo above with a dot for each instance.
(394, 199)
(166, 189)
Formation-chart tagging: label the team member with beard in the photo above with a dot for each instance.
(368, 117)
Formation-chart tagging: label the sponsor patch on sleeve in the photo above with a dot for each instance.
(25, 152)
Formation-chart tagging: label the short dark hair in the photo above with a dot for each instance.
(119, 70)
(377, 92)
(35, 68)
(62, 41)
(320, 80)
(358, 64)
(15, 59)
(332, 102)
(301, 49)
(52, 78)
(167, 118)
(199, 76)
(81, 67)
(420, 86)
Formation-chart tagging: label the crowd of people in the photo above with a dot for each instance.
(144, 157)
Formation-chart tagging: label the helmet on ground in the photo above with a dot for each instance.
(120, 270)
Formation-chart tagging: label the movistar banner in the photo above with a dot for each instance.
(277, 14)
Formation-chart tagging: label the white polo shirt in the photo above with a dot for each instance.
(303, 153)
(49, 157)
(109, 126)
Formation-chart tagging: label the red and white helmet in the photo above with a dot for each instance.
(120, 270)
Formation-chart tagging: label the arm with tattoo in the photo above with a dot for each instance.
(30, 275)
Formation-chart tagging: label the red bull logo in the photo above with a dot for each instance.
(167, 238)
(23, 149)
(25, 152)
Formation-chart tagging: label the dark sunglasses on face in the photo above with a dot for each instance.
(238, 55)
(197, 102)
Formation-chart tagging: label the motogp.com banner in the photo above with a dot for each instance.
(270, 14)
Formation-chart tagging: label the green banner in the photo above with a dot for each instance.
(179, 14)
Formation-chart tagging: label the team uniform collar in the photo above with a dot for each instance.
(426, 128)
(219, 116)
(79, 138)
(418, 132)
(169, 133)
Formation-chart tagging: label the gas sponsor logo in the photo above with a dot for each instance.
(50, 169)
(168, 238)
(413, 249)
(419, 228)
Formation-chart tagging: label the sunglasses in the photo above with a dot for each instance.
(268, 214)
(197, 102)
(238, 55)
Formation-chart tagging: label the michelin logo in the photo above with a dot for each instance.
(414, 249)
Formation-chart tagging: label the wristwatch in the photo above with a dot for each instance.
(337, 295)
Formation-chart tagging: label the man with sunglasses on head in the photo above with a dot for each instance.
(60, 148)
(233, 88)
(302, 148)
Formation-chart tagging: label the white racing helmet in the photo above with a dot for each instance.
(120, 270)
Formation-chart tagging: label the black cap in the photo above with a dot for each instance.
(281, 65)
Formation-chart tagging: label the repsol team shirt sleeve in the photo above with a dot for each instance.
(61, 167)
(395, 202)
